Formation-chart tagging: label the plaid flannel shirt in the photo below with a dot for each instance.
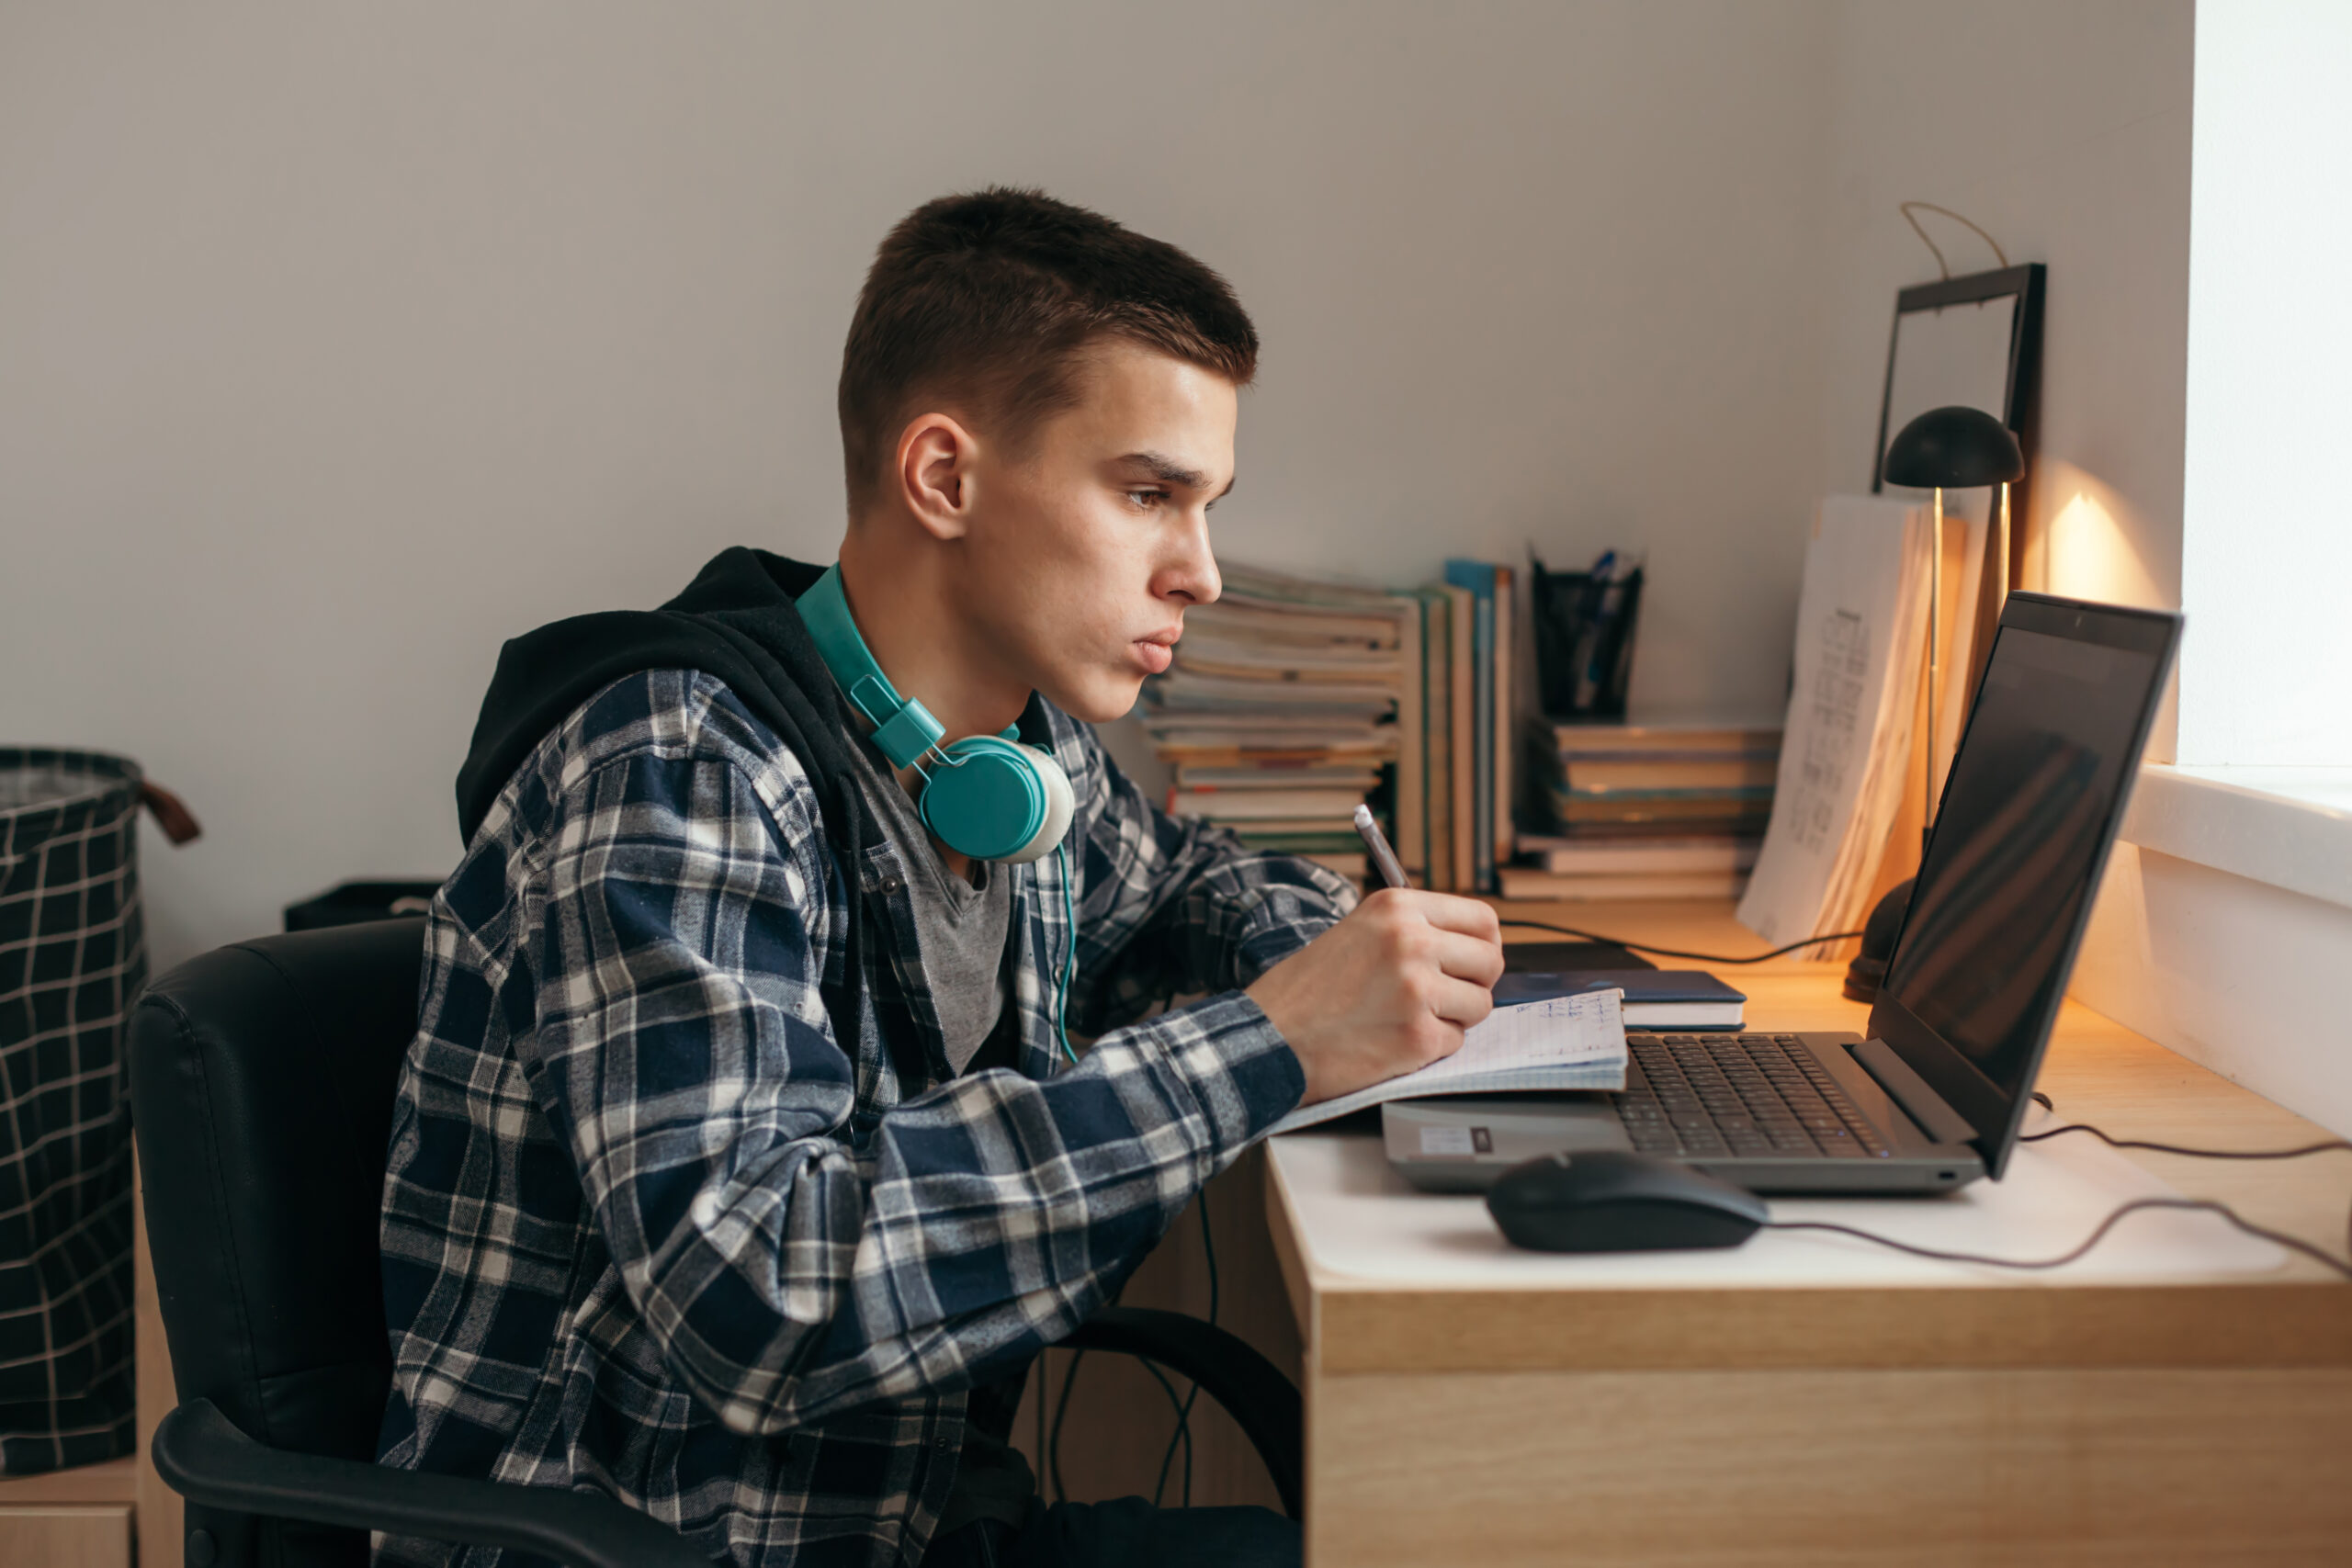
(650, 1229)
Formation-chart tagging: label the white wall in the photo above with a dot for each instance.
(2266, 670)
(2062, 128)
(338, 343)
(2067, 130)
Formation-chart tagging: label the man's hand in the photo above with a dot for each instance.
(1388, 991)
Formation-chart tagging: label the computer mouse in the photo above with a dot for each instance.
(1610, 1201)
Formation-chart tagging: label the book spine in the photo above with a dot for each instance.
(1483, 779)
(1412, 832)
(1437, 730)
(1506, 838)
(1489, 811)
(1462, 742)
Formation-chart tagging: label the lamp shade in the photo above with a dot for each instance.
(1954, 448)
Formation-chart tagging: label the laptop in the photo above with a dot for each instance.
(1933, 1097)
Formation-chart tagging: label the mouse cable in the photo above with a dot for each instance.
(1673, 952)
(2105, 1226)
(2112, 1141)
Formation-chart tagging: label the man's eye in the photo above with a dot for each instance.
(1147, 499)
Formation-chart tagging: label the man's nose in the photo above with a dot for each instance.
(1192, 572)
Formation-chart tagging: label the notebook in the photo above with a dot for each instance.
(1554, 1043)
(1653, 998)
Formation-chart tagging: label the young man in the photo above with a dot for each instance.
(740, 1169)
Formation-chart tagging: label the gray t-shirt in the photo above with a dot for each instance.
(960, 927)
(960, 930)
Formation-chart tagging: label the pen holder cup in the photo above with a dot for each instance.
(1584, 641)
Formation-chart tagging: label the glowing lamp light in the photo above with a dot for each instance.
(1946, 448)
(1950, 448)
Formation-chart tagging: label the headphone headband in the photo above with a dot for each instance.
(903, 728)
(985, 796)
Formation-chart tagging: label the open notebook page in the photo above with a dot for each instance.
(1559, 1043)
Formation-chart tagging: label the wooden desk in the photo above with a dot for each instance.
(2039, 1423)
(2036, 1420)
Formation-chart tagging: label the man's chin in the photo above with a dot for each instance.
(1098, 702)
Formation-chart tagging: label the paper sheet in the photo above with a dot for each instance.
(1861, 625)
(1527, 1045)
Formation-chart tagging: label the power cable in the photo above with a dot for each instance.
(2208, 1205)
(2109, 1223)
(1676, 952)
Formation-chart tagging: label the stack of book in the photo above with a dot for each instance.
(1281, 711)
(1292, 700)
(1649, 811)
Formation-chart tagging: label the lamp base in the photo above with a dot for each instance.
(1867, 971)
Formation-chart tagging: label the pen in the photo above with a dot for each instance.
(1384, 859)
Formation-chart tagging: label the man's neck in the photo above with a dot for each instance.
(908, 611)
(903, 597)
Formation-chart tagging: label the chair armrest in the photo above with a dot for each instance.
(202, 1455)
(1261, 1401)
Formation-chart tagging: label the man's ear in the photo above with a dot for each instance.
(935, 473)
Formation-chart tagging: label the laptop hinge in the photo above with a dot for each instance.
(1922, 1104)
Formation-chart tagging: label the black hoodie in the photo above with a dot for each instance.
(737, 621)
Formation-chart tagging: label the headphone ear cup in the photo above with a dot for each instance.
(1061, 807)
(998, 801)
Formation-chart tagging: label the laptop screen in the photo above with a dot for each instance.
(2030, 806)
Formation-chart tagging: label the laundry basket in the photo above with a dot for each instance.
(71, 964)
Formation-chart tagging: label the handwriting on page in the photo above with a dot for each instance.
(1585, 1027)
(1860, 628)
(1559, 1043)
(1841, 662)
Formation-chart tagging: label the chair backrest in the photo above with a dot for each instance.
(262, 1080)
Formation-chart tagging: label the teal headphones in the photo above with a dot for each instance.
(988, 796)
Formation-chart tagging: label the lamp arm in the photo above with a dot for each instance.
(1935, 666)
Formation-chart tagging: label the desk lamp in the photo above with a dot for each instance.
(1946, 448)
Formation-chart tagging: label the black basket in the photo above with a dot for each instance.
(72, 962)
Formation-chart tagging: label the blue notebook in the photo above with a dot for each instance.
(1654, 999)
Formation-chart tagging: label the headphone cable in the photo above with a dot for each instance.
(1070, 951)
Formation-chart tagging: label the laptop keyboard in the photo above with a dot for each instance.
(1740, 1096)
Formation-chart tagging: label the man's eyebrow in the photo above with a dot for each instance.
(1168, 471)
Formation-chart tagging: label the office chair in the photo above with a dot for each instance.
(262, 1081)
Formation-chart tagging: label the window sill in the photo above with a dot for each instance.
(2290, 828)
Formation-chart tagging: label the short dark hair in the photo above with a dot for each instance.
(990, 296)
